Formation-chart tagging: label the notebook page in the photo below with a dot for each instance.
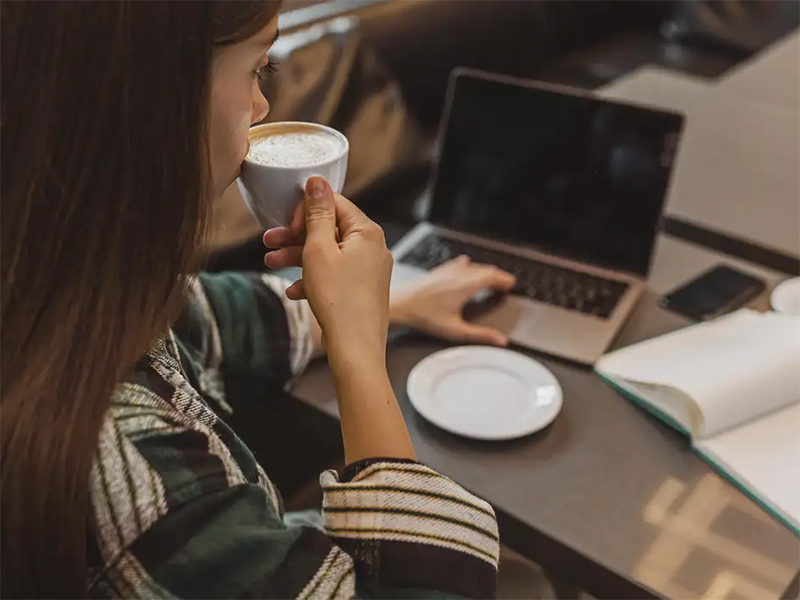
(734, 368)
(764, 457)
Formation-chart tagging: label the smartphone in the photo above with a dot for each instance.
(713, 293)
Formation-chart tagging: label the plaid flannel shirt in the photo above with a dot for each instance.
(181, 508)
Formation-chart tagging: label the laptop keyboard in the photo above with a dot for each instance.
(572, 290)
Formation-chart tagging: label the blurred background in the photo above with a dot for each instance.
(378, 71)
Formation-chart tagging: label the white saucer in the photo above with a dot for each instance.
(785, 297)
(484, 393)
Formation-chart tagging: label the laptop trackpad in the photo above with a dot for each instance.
(511, 314)
(484, 302)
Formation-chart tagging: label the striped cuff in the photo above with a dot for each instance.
(407, 526)
(352, 471)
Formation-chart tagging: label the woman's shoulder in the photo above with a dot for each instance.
(157, 409)
(160, 447)
(159, 386)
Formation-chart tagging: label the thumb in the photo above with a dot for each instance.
(320, 212)
(480, 334)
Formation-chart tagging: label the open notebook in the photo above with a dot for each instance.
(733, 386)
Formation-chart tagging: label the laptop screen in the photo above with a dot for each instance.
(569, 174)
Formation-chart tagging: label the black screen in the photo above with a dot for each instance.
(572, 175)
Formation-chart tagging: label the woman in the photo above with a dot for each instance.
(121, 124)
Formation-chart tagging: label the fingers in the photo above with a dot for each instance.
(482, 275)
(459, 330)
(291, 256)
(476, 277)
(296, 291)
(298, 224)
(294, 235)
(278, 237)
(479, 334)
(459, 262)
(493, 277)
(351, 219)
(326, 212)
(320, 215)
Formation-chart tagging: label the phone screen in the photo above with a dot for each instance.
(713, 293)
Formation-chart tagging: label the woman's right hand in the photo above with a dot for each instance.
(346, 273)
(345, 277)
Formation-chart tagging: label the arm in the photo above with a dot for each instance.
(371, 420)
(346, 279)
(241, 337)
(399, 316)
(242, 326)
(228, 544)
(206, 523)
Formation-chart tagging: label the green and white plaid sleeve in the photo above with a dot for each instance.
(181, 509)
(240, 337)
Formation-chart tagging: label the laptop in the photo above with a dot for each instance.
(561, 188)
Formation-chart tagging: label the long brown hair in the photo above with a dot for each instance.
(105, 195)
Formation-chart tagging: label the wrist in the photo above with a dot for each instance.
(358, 374)
(400, 314)
(352, 350)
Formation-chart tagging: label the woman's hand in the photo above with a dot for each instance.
(346, 273)
(434, 303)
(346, 269)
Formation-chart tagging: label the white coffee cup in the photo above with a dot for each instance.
(273, 185)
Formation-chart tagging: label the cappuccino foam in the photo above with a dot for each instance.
(294, 148)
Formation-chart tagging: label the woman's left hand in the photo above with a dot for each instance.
(434, 303)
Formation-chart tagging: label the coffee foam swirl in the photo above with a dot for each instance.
(294, 148)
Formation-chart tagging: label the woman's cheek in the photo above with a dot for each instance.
(241, 135)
